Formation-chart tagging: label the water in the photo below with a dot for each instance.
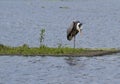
(60, 70)
(21, 21)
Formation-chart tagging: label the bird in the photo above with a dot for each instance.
(73, 30)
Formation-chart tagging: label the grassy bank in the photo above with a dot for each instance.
(25, 50)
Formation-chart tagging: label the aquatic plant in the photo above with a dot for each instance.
(42, 37)
(59, 45)
(1, 46)
(25, 46)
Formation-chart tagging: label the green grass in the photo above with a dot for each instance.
(25, 50)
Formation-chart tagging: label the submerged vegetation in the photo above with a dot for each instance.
(25, 50)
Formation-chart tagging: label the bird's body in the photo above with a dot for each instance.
(71, 33)
(74, 28)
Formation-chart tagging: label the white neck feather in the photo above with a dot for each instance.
(78, 28)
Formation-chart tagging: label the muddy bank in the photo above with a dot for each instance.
(83, 54)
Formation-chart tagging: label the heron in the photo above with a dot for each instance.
(73, 30)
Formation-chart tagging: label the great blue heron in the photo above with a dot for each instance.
(72, 31)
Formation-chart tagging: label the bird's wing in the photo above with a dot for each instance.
(70, 29)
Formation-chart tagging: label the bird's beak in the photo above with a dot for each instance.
(81, 32)
(81, 29)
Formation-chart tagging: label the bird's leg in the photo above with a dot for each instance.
(74, 41)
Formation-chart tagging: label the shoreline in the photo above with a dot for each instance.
(25, 50)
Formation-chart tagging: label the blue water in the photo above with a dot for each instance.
(60, 70)
(22, 20)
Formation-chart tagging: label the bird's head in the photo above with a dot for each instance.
(78, 26)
